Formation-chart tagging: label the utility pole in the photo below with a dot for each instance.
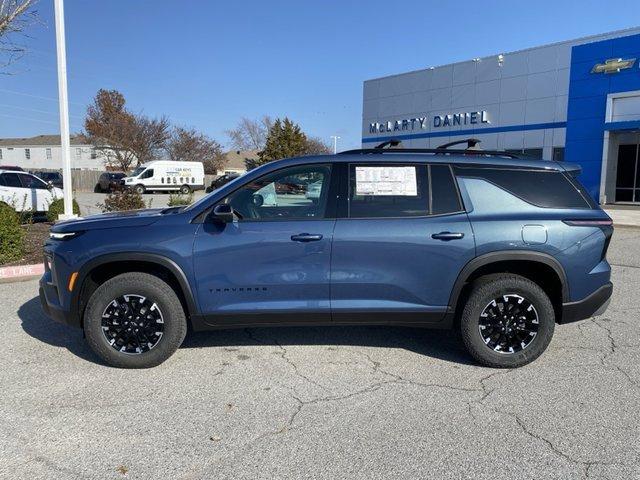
(64, 111)
(335, 143)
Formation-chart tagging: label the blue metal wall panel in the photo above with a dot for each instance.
(588, 99)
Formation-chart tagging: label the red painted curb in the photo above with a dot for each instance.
(21, 271)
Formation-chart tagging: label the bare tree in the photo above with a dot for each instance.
(15, 17)
(250, 134)
(317, 146)
(150, 137)
(193, 146)
(123, 138)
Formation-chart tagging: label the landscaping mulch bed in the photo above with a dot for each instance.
(36, 235)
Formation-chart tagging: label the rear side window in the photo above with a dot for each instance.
(547, 189)
(397, 190)
(444, 193)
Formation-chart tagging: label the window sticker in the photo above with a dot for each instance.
(386, 181)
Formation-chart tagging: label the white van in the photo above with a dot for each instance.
(166, 175)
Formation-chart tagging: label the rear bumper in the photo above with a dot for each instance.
(594, 304)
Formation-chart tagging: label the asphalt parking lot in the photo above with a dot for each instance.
(325, 402)
(88, 201)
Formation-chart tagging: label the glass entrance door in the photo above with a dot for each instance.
(628, 174)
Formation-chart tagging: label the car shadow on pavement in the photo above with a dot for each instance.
(441, 344)
(36, 324)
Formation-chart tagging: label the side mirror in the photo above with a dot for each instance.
(257, 200)
(50, 185)
(223, 213)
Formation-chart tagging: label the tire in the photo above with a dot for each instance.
(97, 188)
(185, 189)
(135, 285)
(506, 344)
(139, 189)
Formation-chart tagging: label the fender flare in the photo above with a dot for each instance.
(152, 258)
(507, 255)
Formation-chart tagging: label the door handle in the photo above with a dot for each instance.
(306, 237)
(446, 236)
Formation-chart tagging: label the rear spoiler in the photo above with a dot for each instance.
(572, 169)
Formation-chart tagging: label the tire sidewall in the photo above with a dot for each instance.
(139, 189)
(185, 190)
(136, 284)
(482, 296)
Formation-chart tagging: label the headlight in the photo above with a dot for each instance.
(63, 236)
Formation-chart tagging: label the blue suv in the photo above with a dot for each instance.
(498, 247)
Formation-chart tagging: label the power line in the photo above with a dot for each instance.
(13, 92)
(35, 110)
(32, 119)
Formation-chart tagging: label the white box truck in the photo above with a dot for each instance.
(166, 175)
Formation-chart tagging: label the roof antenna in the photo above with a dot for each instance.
(393, 143)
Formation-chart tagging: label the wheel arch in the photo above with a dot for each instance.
(93, 273)
(538, 267)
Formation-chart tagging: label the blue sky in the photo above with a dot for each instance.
(205, 64)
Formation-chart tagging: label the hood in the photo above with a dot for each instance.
(130, 218)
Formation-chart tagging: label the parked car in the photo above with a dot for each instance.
(52, 178)
(26, 192)
(166, 176)
(11, 168)
(313, 190)
(500, 248)
(110, 181)
(221, 180)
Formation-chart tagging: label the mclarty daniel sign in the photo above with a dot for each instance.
(423, 123)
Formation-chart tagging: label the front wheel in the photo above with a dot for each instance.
(139, 189)
(507, 322)
(134, 320)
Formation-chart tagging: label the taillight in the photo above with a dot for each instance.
(589, 223)
(605, 225)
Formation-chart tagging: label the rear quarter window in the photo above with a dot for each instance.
(542, 188)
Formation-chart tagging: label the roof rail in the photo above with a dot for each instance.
(472, 144)
(435, 151)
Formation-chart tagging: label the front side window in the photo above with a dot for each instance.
(147, 174)
(30, 181)
(377, 191)
(288, 194)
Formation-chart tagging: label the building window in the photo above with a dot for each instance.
(27, 153)
(48, 151)
(0, 154)
(558, 154)
(78, 152)
(94, 155)
(527, 152)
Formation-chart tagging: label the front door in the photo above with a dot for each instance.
(399, 251)
(272, 264)
(628, 173)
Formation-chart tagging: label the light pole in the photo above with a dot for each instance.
(335, 143)
(64, 111)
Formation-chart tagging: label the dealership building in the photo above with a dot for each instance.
(577, 101)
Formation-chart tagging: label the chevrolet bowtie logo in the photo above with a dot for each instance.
(613, 65)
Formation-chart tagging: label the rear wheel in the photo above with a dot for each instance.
(185, 189)
(134, 320)
(508, 321)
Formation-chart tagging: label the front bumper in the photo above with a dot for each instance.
(594, 304)
(51, 305)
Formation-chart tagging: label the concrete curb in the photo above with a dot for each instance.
(20, 273)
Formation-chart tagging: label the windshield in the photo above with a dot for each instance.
(138, 171)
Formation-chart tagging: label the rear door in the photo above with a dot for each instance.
(37, 191)
(399, 249)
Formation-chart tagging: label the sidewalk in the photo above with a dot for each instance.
(624, 216)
